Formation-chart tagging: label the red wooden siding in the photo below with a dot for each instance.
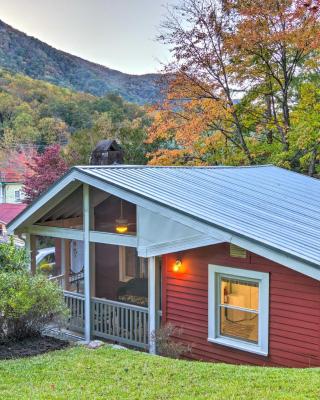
(294, 320)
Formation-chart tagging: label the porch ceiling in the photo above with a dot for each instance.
(71, 207)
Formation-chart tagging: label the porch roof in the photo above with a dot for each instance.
(267, 205)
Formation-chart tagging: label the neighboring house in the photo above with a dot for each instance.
(11, 187)
(7, 213)
(231, 255)
(13, 170)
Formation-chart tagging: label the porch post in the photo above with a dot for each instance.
(86, 253)
(63, 261)
(33, 248)
(30, 246)
(152, 302)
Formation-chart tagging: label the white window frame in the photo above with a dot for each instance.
(123, 277)
(17, 195)
(262, 278)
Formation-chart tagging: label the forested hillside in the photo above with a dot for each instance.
(35, 114)
(29, 56)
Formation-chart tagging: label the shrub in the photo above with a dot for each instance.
(167, 343)
(27, 304)
(13, 258)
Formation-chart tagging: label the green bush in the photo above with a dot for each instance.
(27, 304)
(13, 258)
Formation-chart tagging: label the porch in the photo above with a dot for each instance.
(112, 293)
(123, 237)
(119, 289)
(111, 320)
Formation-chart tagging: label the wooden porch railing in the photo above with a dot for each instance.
(75, 303)
(113, 320)
(59, 279)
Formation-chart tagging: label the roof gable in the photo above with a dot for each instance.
(266, 206)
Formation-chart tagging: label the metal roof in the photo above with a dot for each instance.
(9, 211)
(270, 205)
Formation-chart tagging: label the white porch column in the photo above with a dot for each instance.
(28, 246)
(152, 302)
(86, 254)
(63, 261)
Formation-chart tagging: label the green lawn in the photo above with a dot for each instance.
(79, 373)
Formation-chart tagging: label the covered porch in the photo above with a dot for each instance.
(111, 292)
(118, 238)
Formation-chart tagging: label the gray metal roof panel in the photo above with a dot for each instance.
(267, 204)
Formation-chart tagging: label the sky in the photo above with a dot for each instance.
(119, 34)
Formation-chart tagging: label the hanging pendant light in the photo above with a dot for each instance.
(121, 223)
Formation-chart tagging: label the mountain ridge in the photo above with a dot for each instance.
(30, 56)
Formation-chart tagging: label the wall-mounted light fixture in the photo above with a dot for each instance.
(177, 266)
(121, 223)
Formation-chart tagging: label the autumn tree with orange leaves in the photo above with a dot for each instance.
(234, 81)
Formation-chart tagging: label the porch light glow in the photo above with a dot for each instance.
(121, 223)
(177, 266)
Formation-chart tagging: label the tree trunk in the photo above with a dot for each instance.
(313, 160)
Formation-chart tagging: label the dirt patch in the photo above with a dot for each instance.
(30, 347)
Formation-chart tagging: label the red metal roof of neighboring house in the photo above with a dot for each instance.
(10, 176)
(10, 211)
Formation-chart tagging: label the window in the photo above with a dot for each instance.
(130, 265)
(17, 195)
(239, 308)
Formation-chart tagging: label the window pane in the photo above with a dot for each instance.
(239, 293)
(239, 324)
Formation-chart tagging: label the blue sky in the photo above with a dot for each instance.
(119, 34)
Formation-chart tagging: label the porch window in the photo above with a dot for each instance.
(239, 308)
(130, 265)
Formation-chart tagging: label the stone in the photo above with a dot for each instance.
(81, 343)
(95, 344)
(118, 347)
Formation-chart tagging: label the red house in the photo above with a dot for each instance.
(229, 254)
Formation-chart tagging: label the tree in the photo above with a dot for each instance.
(304, 137)
(273, 41)
(45, 169)
(233, 81)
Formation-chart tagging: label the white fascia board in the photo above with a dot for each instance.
(175, 246)
(50, 231)
(58, 192)
(77, 234)
(278, 256)
(113, 238)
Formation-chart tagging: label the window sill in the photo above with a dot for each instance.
(237, 344)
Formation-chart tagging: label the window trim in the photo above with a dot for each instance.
(123, 277)
(17, 195)
(214, 272)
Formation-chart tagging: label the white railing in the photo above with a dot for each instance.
(75, 303)
(112, 320)
(122, 322)
(59, 279)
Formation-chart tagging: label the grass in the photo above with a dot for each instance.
(79, 373)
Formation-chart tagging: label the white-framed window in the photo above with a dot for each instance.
(130, 265)
(239, 308)
(17, 195)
